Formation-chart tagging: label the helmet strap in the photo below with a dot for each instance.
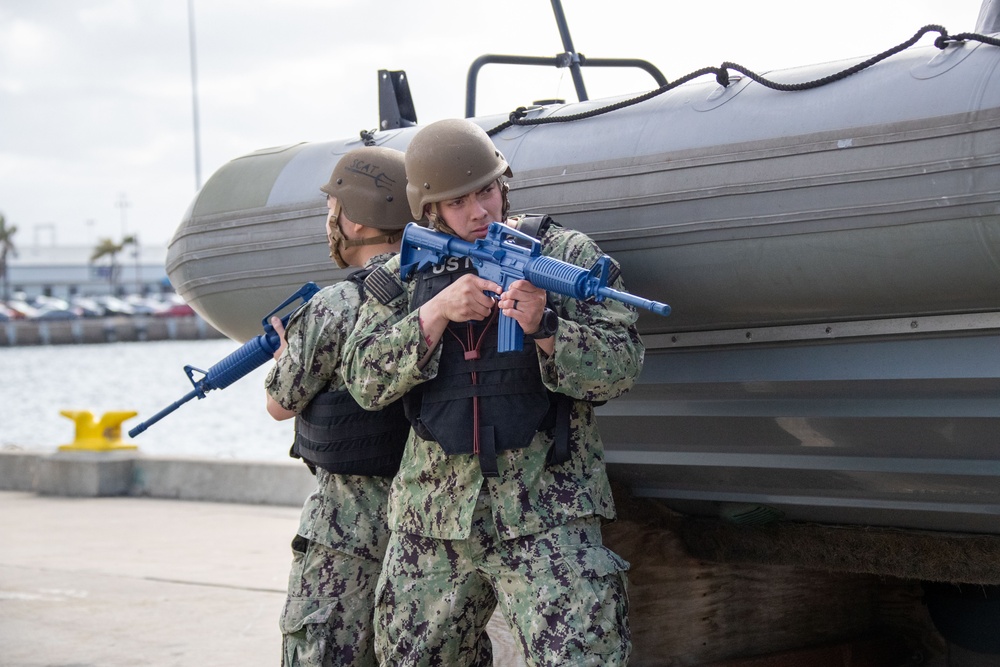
(504, 189)
(437, 222)
(391, 237)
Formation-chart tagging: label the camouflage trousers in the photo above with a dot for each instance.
(563, 594)
(327, 619)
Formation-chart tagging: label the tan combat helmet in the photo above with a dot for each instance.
(370, 186)
(448, 159)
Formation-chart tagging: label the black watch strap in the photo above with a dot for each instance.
(547, 326)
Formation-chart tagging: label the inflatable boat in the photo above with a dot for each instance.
(831, 256)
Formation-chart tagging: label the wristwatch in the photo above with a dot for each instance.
(548, 325)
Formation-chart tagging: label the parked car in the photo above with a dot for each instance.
(21, 308)
(8, 314)
(144, 305)
(54, 308)
(175, 310)
(114, 306)
(56, 313)
(89, 307)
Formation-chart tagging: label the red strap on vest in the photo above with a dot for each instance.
(471, 349)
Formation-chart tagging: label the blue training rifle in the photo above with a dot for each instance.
(506, 255)
(254, 353)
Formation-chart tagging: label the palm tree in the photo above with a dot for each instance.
(6, 247)
(108, 248)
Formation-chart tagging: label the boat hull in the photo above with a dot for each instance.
(832, 258)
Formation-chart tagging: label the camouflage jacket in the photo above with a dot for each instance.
(598, 355)
(346, 512)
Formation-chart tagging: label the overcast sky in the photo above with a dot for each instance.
(96, 99)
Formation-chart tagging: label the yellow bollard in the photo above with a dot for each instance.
(94, 436)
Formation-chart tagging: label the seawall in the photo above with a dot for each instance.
(105, 330)
(128, 473)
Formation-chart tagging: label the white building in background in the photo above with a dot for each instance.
(65, 271)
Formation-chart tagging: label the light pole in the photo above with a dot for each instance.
(122, 204)
(194, 96)
(138, 276)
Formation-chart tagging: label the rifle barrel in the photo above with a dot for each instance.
(657, 307)
(163, 413)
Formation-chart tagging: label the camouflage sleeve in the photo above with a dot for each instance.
(382, 353)
(598, 352)
(315, 335)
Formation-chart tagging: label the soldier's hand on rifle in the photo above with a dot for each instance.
(523, 302)
(279, 329)
(463, 300)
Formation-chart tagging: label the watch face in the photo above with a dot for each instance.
(551, 320)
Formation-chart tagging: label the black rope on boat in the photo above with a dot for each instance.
(517, 117)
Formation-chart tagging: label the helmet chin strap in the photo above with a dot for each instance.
(504, 189)
(437, 222)
(341, 242)
(391, 237)
(336, 235)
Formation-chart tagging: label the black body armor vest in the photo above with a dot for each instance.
(333, 432)
(482, 401)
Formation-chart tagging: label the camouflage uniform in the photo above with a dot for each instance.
(528, 539)
(342, 536)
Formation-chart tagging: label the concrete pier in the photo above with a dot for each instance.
(127, 582)
(92, 574)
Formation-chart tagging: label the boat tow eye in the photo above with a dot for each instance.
(97, 436)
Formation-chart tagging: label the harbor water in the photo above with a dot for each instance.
(145, 377)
